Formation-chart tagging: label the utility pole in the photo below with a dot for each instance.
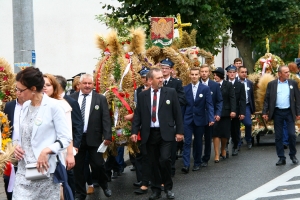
(24, 50)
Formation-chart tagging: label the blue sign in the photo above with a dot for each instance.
(33, 56)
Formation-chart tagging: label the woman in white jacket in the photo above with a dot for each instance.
(42, 122)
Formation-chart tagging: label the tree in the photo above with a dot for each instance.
(284, 44)
(201, 13)
(250, 21)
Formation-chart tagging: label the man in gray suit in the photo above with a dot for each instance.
(282, 104)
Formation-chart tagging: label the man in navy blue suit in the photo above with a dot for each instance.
(217, 101)
(198, 99)
(250, 104)
(12, 110)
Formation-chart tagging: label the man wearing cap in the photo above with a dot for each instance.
(250, 104)
(217, 101)
(240, 98)
(169, 81)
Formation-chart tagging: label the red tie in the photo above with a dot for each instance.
(153, 115)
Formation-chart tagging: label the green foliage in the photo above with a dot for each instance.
(206, 16)
(250, 21)
(284, 44)
(257, 19)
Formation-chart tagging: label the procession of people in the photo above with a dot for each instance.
(47, 122)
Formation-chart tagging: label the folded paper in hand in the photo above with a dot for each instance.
(102, 148)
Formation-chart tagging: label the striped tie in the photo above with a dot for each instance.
(153, 115)
(83, 107)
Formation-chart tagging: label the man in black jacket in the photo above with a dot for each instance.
(159, 119)
(240, 97)
(282, 104)
(169, 81)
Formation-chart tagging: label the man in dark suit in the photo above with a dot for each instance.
(77, 125)
(240, 98)
(97, 124)
(12, 110)
(158, 117)
(250, 104)
(169, 81)
(199, 103)
(282, 104)
(217, 101)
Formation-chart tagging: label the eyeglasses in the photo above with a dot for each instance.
(20, 90)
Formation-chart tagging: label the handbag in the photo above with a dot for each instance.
(32, 173)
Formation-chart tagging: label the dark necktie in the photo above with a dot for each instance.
(153, 115)
(165, 82)
(83, 106)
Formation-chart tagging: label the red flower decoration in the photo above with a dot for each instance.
(127, 56)
(122, 94)
(1, 69)
(7, 92)
(5, 78)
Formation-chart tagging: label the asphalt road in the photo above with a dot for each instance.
(229, 179)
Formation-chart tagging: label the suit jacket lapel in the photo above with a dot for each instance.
(163, 94)
(148, 99)
(93, 102)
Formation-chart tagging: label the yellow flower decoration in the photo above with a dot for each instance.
(6, 132)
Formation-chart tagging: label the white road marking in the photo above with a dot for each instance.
(282, 180)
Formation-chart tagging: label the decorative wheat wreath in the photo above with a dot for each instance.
(7, 83)
(268, 63)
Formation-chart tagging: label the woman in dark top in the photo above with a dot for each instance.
(222, 127)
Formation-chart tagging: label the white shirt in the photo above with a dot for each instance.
(205, 82)
(17, 112)
(195, 88)
(156, 124)
(87, 108)
(167, 80)
(246, 88)
(221, 83)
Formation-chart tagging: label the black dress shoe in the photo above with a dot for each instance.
(281, 161)
(170, 194)
(97, 184)
(114, 175)
(138, 184)
(235, 152)
(249, 145)
(140, 191)
(133, 168)
(204, 164)
(185, 169)
(180, 154)
(107, 192)
(217, 161)
(222, 157)
(155, 195)
(227, 154)
(196, 168)
(285, 146)
(294, 159)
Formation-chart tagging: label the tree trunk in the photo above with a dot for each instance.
(244, 46)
